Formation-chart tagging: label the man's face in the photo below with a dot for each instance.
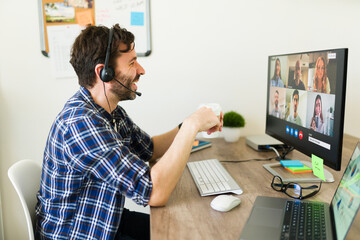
(297, 71)
(123, 93)
(277, 68)
(276, 99)
(128, 72)
(295, 102)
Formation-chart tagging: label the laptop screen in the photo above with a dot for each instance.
(346, 201)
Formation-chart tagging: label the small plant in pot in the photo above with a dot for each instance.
(233, 122)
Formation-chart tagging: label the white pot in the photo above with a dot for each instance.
(231, 134)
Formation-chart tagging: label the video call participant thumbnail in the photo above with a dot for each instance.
(294, 117)
(321, 113)
(296, 82)
(278, 102)
(318, 115)
(276, 80)
(321, 82)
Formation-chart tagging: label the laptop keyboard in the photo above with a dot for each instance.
(304, 220)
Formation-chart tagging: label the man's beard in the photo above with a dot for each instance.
(121, 92)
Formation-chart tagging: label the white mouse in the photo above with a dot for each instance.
(224, 203)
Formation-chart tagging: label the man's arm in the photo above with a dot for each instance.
(162, 143)
(167, 171)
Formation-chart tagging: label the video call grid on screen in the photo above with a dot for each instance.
(306, 93)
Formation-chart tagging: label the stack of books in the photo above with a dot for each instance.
(200, 144)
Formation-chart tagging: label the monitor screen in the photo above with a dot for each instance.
(306, 101)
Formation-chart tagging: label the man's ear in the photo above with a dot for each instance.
(98, 68)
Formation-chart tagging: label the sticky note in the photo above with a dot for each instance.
(196, 143)
(137, 19)
(291, 163)
(84, 18)
(304, 168)
(317, 166)
(297, 172)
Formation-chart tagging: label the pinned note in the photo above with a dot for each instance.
(84, 18)
(317, 166)
(137, 18)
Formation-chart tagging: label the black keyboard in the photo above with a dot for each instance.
(304, 220)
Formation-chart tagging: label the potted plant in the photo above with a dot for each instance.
(233, 122)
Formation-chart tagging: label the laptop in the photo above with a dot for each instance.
(277, 218)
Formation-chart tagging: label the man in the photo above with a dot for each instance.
(295, 118)
(95, 154)
(276, 112)
(297, 83)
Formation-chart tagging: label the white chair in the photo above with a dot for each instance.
(25, 177)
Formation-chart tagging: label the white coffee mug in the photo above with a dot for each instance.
(217, 110)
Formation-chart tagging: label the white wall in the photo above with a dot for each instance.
(203, 51)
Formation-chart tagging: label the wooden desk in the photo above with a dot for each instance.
(189, 216)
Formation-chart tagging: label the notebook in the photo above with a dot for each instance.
(200, 144)
(268, 216)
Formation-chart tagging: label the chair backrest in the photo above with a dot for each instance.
(25, 176)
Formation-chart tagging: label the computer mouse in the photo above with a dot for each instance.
(224, 203)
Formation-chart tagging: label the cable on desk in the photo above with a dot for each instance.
(278, 157)
(285, 151)
(274, 149)
(248, 160)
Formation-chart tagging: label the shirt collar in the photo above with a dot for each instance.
(86, 96)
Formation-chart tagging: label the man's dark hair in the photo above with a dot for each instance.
(89, 49)
(296, 92)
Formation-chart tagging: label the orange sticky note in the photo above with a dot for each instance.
(196, 143)
(84, 18)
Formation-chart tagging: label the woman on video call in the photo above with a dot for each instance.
(321, 82)
(276, 80)
(318, 116)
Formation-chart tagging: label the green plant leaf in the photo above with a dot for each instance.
(233, 119)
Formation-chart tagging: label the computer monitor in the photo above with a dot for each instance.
(306, 102)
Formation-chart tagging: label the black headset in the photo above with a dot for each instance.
(107, 73)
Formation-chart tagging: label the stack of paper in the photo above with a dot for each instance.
(295, 166)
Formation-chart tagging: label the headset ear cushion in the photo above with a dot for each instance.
(106, 75)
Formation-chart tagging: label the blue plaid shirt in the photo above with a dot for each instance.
(88, 169)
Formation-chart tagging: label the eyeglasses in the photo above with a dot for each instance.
(292, 189)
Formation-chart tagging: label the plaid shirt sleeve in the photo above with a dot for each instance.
(140, 142)
(93, 148)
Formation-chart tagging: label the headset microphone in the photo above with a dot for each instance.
(137, 93)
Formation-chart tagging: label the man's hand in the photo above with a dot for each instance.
(206, 120)
(216, 128)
